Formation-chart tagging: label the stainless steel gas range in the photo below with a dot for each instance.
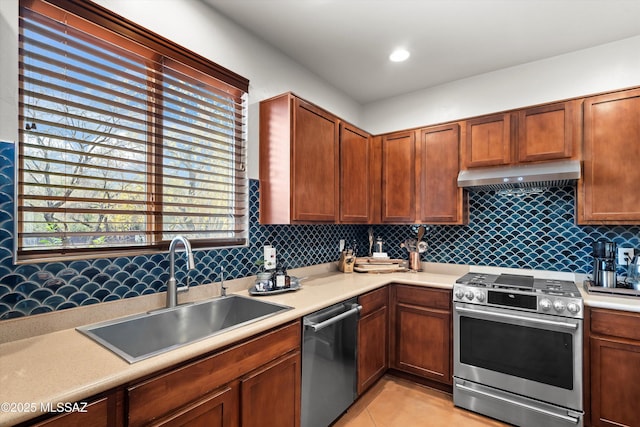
(518, 349)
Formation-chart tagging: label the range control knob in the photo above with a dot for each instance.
(559, 306)
(573, 308)
(480, 296)
(469, 295)
(459, 293)
(545, 304)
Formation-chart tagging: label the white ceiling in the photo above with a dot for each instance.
(347, 42)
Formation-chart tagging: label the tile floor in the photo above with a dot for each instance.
(393, 402)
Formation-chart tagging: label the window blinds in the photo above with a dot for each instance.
(122, 147)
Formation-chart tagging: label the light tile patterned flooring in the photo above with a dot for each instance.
(393, 402)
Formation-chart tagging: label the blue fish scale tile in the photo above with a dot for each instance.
(526, 232)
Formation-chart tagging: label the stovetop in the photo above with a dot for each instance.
(521, 283)
(520, 292)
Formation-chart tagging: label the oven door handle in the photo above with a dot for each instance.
(516, 403)
(572, 326)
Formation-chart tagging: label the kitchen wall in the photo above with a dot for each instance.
(529, 232)
(599, 69)
(196, 26)
(39, 288)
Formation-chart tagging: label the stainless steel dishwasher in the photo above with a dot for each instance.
(329, 349)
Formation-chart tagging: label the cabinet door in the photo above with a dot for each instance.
(421, 331)
(615, 382)
(440, 200)
(398, 177)
(546, 132)
(488, 141)
(104, 411)
(314, 175)
(373, 338)
(219, 409)
(355, 177)
(422, 347)
(372, 348)
(271, 395)
(611, 158)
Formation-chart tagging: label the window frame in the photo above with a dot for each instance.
(97, 20)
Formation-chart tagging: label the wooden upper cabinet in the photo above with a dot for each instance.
(299, 162)
(441, 201)
(611, 155)
(313, 168)
(488, 141)
(314, 177)
(355, 177)
(547, 132)
(541, 133)
(376, 179)
(398, 177)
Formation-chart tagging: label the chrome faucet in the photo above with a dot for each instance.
(172, 290)
(223, 288)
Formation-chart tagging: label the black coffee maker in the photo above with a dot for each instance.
(604, 263)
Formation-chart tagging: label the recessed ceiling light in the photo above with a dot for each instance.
(399, 55)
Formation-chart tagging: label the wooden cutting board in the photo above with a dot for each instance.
(386, 268)
(377, 261)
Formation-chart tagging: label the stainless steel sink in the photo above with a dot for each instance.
(141, 336)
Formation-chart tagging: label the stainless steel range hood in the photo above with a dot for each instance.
(551, 174)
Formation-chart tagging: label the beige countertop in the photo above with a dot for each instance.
(66, 366)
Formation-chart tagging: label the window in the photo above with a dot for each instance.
(126, 140)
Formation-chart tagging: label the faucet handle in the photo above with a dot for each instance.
(184, 288)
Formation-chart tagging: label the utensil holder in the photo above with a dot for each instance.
(415, 264)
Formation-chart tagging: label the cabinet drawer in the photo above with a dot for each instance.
(165, 393)
(371, 301)
(424, 297)
(623, 324)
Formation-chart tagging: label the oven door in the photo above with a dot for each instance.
(530, 354)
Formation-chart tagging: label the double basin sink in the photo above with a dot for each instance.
(141, 336)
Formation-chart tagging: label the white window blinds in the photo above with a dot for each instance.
(122, 147)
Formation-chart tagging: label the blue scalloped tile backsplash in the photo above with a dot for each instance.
(527, 232)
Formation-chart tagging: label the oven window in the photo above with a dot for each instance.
(525, 352)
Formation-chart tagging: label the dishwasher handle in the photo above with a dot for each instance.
(355, 309)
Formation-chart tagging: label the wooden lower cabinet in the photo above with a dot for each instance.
(373, 337)
(104, 410)
(218, 409)
(421, 333)
(271, 394)
(614, 367)
(216, 389)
